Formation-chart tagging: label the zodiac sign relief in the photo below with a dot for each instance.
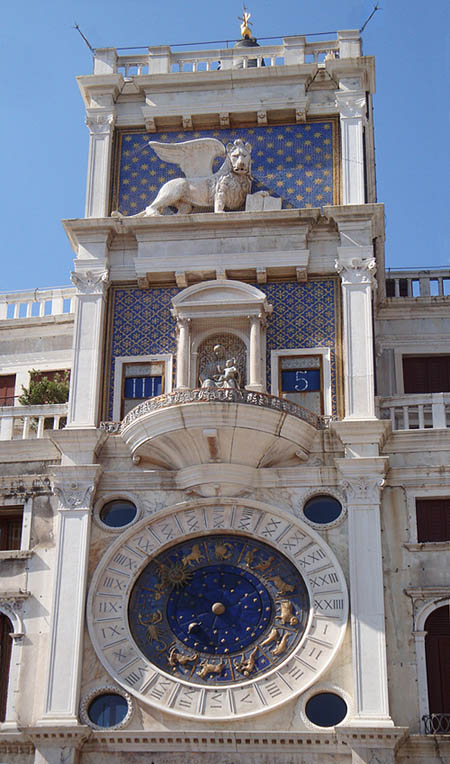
(282, 586)
(194, 556)
(210, 668)
(177, 659)
(287, 615)
(153, 632)
(246, 666)
(224, 551)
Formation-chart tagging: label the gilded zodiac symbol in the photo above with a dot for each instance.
(194, 556)
(153, 631)
(249, 557)
(282, 586)
(210, 668)
(287, 613)
(282, 644)
(180, 659)
(273, 637)
(264, 564)
(224, 551)
(246, 667)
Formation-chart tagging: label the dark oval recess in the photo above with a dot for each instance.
(322, 509)
(118, 513)
(108, 710)
(326, 709)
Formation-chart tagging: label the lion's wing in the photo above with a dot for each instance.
(195, 157)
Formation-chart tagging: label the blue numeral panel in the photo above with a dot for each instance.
(142, 387)
(300, 380)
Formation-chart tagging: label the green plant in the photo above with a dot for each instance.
(42, 389)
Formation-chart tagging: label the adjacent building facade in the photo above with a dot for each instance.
(232, 542)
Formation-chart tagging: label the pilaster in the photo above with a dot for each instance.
(357, 267)
(74, 486)
(362, 482)
(183, 353)
(255, 380)
(101, 128)
(352, 108)
(84, 394)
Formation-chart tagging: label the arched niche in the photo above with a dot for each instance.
(437, 654)
(213, 307)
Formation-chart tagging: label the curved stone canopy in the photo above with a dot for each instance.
(197, 433)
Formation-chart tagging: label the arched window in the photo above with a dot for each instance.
(6, 629)
(437, 650)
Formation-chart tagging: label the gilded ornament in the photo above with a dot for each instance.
(265, 564)
(282, 586)
(246, 667)
(223, 551)
(282, 645)
(176, 658)
(273, 637)
(194, 556)
(210, 668)
(287, 615)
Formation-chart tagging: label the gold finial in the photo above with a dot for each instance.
(245, 26)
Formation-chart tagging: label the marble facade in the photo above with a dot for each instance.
(303, 278)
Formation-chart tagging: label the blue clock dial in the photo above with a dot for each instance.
(218, 609)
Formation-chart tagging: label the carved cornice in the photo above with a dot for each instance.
(100, 124)
(90, 282)
(351, 104)
(357, 270)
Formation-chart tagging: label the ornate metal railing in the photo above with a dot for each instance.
(436, 724)
(218, 395)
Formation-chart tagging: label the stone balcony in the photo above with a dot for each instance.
(237, 427)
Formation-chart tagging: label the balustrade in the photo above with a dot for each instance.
(35, 303)
(420, 283)
(416, 412)
(162, 60)
(26, 422)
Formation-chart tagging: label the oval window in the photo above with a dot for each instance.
(108, 710)
(322, 509)
(326, 709)
(118, 513)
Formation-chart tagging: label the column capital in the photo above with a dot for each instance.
(362, 480)
(356, 270)
(100, 122)
(91, 282)
(75, 486)
(351, 104)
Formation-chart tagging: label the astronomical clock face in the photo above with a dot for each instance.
(217, 611)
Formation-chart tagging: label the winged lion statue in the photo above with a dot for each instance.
(223, 190)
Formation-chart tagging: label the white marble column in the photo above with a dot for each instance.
(255, 378)
(362, 480)
(358, 280)
(88, 346)
(352, 111)
(183, 353)
(74, 487)
(101, 128)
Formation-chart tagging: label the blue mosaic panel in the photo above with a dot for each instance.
(141, 325)
(298, 163)
(304, 316)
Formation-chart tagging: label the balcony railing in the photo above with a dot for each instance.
(416, 412)
(420, 283)
(162, 60)
(37, 302)
(217, 395)
(26, 422)
(436, 724)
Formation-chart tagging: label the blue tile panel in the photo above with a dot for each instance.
(298, 163)
(304, 316)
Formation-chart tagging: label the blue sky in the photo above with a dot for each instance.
(45, 141)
